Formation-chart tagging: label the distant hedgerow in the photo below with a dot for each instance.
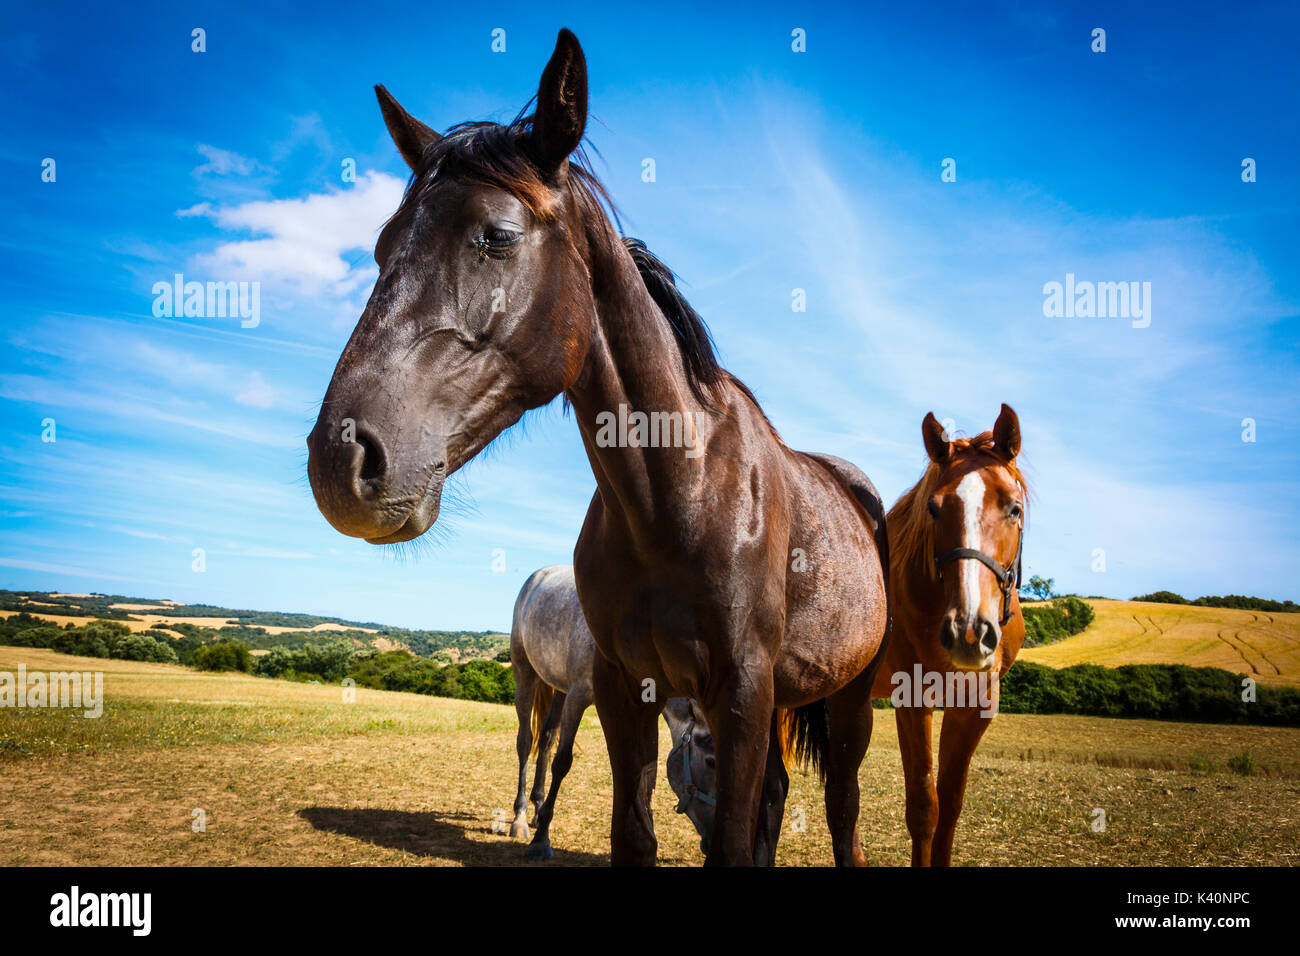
(1156, 691)
(1063, 617)
(1238, 602)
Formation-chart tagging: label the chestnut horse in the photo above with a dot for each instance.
(715, 562)
(955, 540)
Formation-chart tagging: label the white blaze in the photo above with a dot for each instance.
(970, 492)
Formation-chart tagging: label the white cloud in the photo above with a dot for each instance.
(306, 242)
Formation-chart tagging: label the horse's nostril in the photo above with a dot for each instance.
(372, 459)
(988, 637)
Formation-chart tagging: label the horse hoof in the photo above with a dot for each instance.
(519, 830)
(541, 852)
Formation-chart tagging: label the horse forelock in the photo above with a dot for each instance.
(499, 155)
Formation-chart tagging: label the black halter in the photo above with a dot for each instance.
(692, 791)
(1008, 578)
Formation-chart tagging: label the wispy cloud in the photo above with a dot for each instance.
(222, 162)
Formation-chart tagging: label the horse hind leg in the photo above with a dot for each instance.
(575, 705)
(526, 686)
(849, 723)
(545, 741)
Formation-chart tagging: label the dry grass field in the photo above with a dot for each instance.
(291, 774)
(1263, 645)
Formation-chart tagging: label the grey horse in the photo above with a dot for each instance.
(551, 652)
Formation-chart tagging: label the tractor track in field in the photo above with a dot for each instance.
(1277, 670)
(1240, 652)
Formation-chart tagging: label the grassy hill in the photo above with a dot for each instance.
(259, 629)
(1263, 645)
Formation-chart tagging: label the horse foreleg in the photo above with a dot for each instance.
(740, 717)
(918, 771)
(850, 720)
(776, 784)
(575, 704)
(960, 734)
(631, 729)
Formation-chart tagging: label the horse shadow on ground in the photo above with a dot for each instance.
(441, 835)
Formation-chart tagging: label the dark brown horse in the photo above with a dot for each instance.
(715, 562)
(955, 541)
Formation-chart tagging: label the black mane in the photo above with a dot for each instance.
(693, 339)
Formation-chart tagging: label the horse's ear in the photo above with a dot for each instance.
(1006, 433)
(561, 116)
(936, 441)
(411, 136)
(697, 713)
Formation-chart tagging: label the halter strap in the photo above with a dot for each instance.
(1008, 578)
(692, 792)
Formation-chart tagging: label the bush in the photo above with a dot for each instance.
(330, 662)
(1064, 617)
(222, 656)
(487, 680)
(1243, 763)
(1162, 597)
(44, 636)
(141, 647)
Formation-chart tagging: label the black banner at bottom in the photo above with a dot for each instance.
(1221, 905)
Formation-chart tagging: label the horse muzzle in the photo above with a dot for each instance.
(362, 493)
(971, 643)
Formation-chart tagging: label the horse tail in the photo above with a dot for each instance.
(804, 736)
(785, 735)
(543, 693)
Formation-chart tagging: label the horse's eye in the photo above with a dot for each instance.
(501, 238)
(1014, 513)
(708, 761)
(933, 508)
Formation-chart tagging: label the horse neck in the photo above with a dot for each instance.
(634, 363)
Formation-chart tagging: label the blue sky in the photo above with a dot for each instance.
(775, 170)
